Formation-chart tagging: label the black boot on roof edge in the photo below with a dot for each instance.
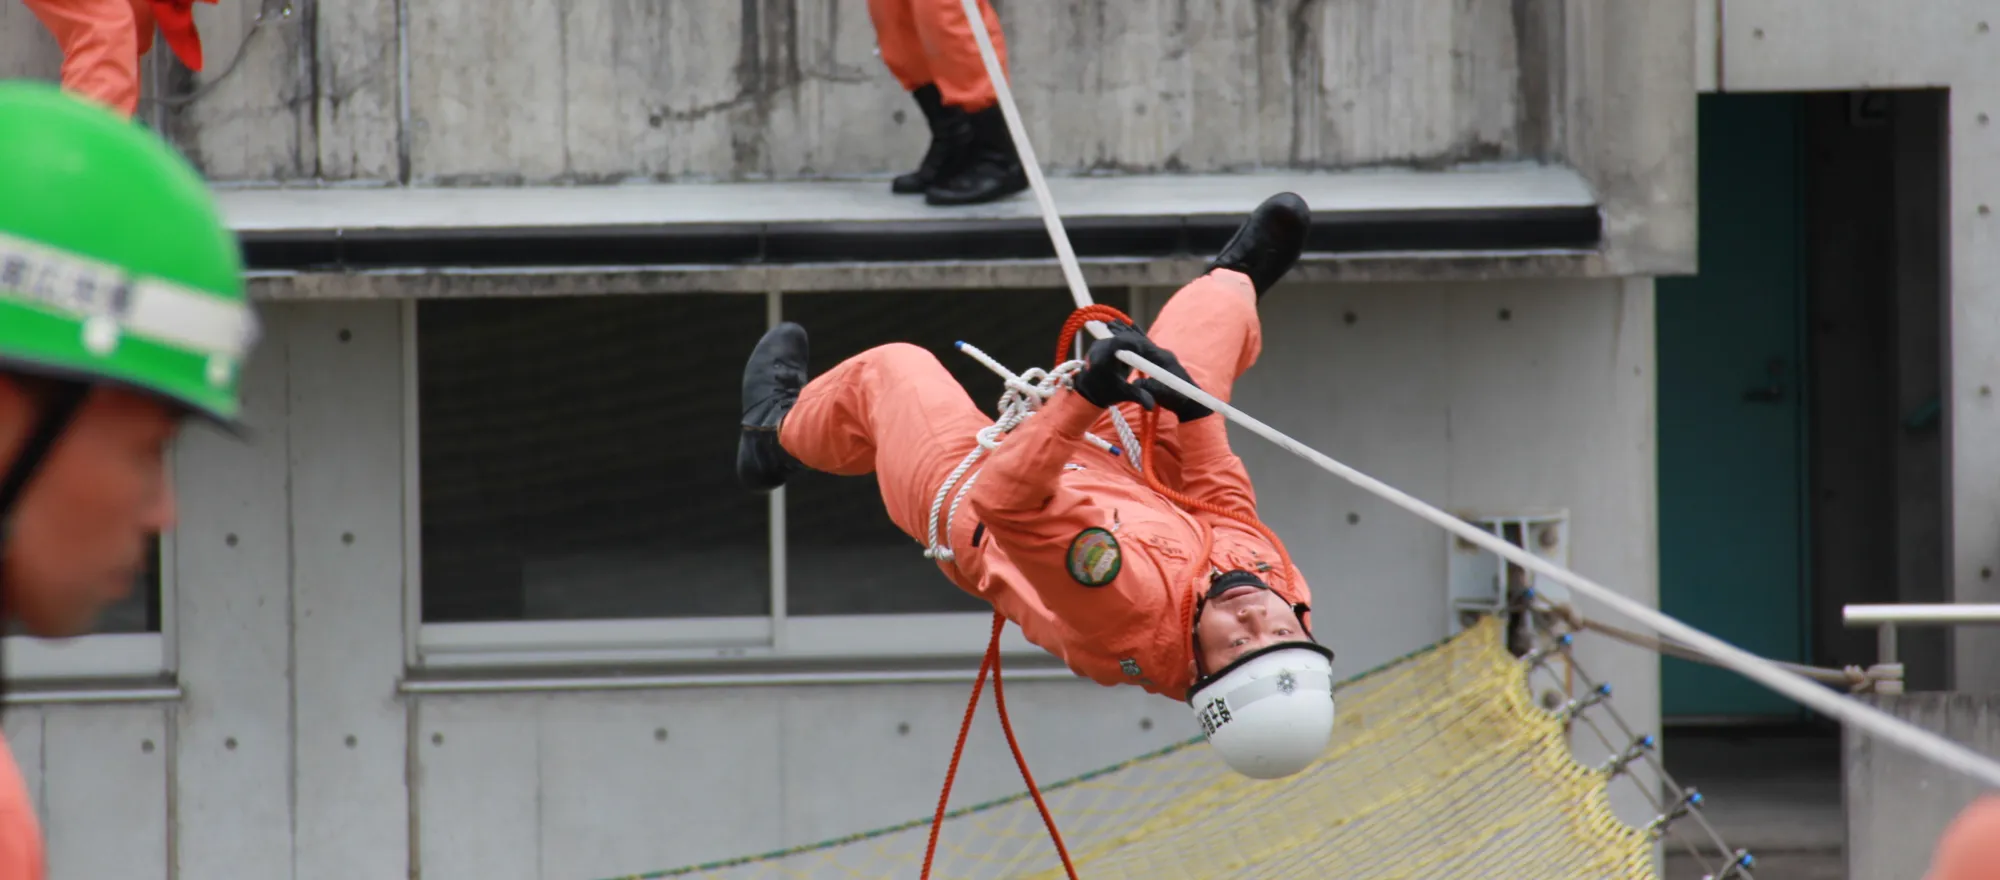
(949, 134)
(988, 170)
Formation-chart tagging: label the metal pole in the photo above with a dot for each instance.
(1885, 644)
(1935, 614)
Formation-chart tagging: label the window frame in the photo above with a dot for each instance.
(777, 638)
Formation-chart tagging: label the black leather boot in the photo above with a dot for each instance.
(990, 168)
(949, 134)
(772, 379)
(1267, 245)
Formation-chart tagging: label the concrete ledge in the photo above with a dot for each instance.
(703, 231)
(449, 282)
(1897, 803)
(356, 209)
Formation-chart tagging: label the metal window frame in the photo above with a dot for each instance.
(690, 641)
(778, 638)
(94, 657)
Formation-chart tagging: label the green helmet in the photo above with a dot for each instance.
(115, 264)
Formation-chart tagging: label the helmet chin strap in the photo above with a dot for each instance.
(58, 410)
(1229, 580)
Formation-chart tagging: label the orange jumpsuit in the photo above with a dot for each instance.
(927, 42)
(1970, 847)
(102, 41)
(1031, 538)
(21, 855)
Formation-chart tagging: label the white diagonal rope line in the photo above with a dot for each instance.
(1875, 721)
(1922, 742)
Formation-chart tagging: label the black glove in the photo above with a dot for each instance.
(1175, 402)
(1104, 380)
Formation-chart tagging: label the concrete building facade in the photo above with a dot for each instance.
(479, 598)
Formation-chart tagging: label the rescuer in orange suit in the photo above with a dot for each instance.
(1069, 542)
(1970, 846)
(103, 40)
(930, 48)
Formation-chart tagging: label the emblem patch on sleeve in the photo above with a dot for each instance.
(1094, 557)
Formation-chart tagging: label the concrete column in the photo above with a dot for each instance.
(1974, 314)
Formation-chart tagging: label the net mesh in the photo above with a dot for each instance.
(1442, 766)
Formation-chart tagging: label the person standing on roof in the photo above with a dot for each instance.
(1071, 544)
(122, 312)
(103, 40)
(930, 48)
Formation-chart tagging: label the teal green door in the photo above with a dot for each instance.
(1731, 417)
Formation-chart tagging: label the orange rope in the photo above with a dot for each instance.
(1150, 426)
(992, 662)
(1006, 726)
(958, 751)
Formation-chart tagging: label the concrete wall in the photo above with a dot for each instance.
(524, 91)
(1898, 804)
(728, 89)
(291, 753)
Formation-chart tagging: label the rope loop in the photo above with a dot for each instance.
(1025, 393)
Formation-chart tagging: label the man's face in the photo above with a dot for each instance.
(82, 531)
(1242, 620)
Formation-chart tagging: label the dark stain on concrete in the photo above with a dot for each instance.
(747, 146)
(1304, 54)
(1538, 52)
(305, 152)
(1178, 36)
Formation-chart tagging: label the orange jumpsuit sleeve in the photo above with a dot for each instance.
(1022, 479)
(1033, 516)
(1210, 470)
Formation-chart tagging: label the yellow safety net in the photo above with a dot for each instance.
(1442, 766)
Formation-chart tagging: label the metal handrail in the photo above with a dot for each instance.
(1887, 617)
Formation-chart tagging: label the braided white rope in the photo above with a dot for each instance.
(1132, 451)
(1025, 394)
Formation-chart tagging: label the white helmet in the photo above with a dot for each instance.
(1270, 712)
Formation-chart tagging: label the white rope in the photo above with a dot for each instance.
(1024, 397)
(1917, 740)
(1065, 255)
(1026, 383)
(1922, 742)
